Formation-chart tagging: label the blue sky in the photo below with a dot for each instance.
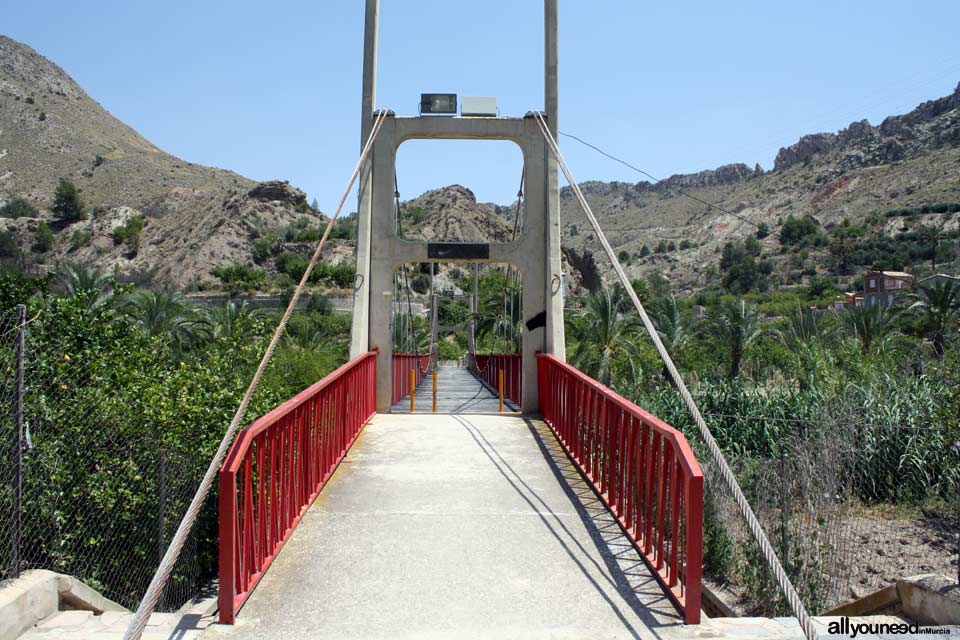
(272, 90)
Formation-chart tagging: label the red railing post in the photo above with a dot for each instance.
(694, 535)
(227, 546)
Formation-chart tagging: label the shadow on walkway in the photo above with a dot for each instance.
(622, 568)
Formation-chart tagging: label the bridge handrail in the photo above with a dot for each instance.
(284, 458)
(487, 368)
(643, 469)
(402, 364)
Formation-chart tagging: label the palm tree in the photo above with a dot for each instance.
(605, 331)
(873, 326)
(735, 325)
(805, 335)
(92, 286)
(231, 320)
(165, 315)
(673, 330)
(501, 321)
(939, 308)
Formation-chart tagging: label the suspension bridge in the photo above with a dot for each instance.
(506, 496)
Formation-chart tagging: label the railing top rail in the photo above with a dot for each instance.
(684, 453)
(245, 439)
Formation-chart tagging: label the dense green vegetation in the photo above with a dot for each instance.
(875, 387)
(939, 207)
(743, 270)
(801, 232)
(121, 380)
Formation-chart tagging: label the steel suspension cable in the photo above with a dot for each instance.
(149, 602)
(783, 580)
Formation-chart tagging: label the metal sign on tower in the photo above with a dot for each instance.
(535, 252)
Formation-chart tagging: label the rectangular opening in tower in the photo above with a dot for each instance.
(459, 191)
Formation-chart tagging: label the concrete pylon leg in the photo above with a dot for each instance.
(359, 326)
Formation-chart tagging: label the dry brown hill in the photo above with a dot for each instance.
(858, 174)
(197, 217)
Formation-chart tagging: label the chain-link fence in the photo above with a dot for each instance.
(86, 487)
(846, 518)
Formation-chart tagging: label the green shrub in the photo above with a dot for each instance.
(345, 228)
(292, 264)
(448, 349)
(18, 208)
(265, 247)
(239, 278)
(9, 248)
(80, 238)
(67, 204)
(802, 232)
(43, 238)
(129, 233)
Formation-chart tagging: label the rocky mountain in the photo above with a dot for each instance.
(453, 214)
(857, 175)
(196, 217)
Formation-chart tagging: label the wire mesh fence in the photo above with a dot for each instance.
(845, 520)
(86, 487)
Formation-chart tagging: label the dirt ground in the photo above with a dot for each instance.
(871, 549)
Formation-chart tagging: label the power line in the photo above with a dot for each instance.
(677, 189)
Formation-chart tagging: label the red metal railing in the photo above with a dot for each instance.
(642, 468)
(489, 367)
(277, 466)
(402, 364)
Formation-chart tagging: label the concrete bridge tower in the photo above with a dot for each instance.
(535, 252)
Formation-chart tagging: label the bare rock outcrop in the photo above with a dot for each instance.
(278, 191)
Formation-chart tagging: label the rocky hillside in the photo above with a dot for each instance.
(453, 214)
(860, 175)
(189, 219)
(196, 217)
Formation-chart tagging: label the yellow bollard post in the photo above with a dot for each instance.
(413, 391)
(434, 389)
(501, 390)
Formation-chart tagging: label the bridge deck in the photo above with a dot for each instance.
(466, 526)
(458, 391)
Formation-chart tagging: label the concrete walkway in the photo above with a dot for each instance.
(440, 526)
(458, 391)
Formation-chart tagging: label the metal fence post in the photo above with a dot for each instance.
(784, 506)
(17, 451)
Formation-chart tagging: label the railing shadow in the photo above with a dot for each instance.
(622, 568)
